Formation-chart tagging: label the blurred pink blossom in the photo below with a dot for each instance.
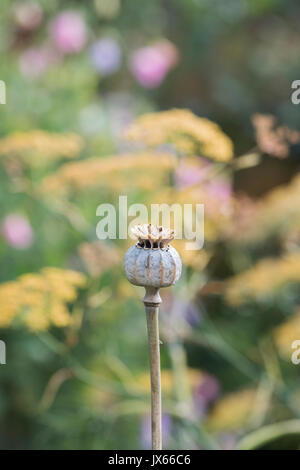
(188, 175)
(150, 65)
(17, 231)
(34, 61)
(220, 190)
(218, 197)
(68, 32)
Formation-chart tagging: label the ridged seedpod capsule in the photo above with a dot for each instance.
(153, 263)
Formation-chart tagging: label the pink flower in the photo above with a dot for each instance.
(150, 65)
(218, 197)
(34, 61)
(17, 231)
(220, 190)
(189, 175)
(68, 31)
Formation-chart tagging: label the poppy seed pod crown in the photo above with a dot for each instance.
(152, 262)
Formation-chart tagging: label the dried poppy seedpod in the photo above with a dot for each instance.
(153, 263)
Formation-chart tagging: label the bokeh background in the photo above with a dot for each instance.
(119, 97)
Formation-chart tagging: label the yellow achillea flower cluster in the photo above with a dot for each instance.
(233, 411)
(286, 333)
(217, 220)
(38, 148)
(276, 212)
(117, 172)
(39, 300)
(188, 133)
(264, 278)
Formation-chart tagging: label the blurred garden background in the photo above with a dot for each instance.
(166, 101)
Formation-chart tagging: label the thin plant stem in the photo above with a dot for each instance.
(154, 357)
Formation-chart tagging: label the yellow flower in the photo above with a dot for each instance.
(59, 314)
(10, 302)
(232, 411)
(38, 148)
(33, 282)
(113, 173)
(187, 132)
(265, 277)
(36, 319)
(38, 300)
(216, 220)
(286, 333)
(275, 213)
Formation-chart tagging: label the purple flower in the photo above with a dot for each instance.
(146, 438)
(68, 32)
(17, 231)
(205, 393)
(150, 65)
(191, 314)
(178, 312)
(105, 56)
